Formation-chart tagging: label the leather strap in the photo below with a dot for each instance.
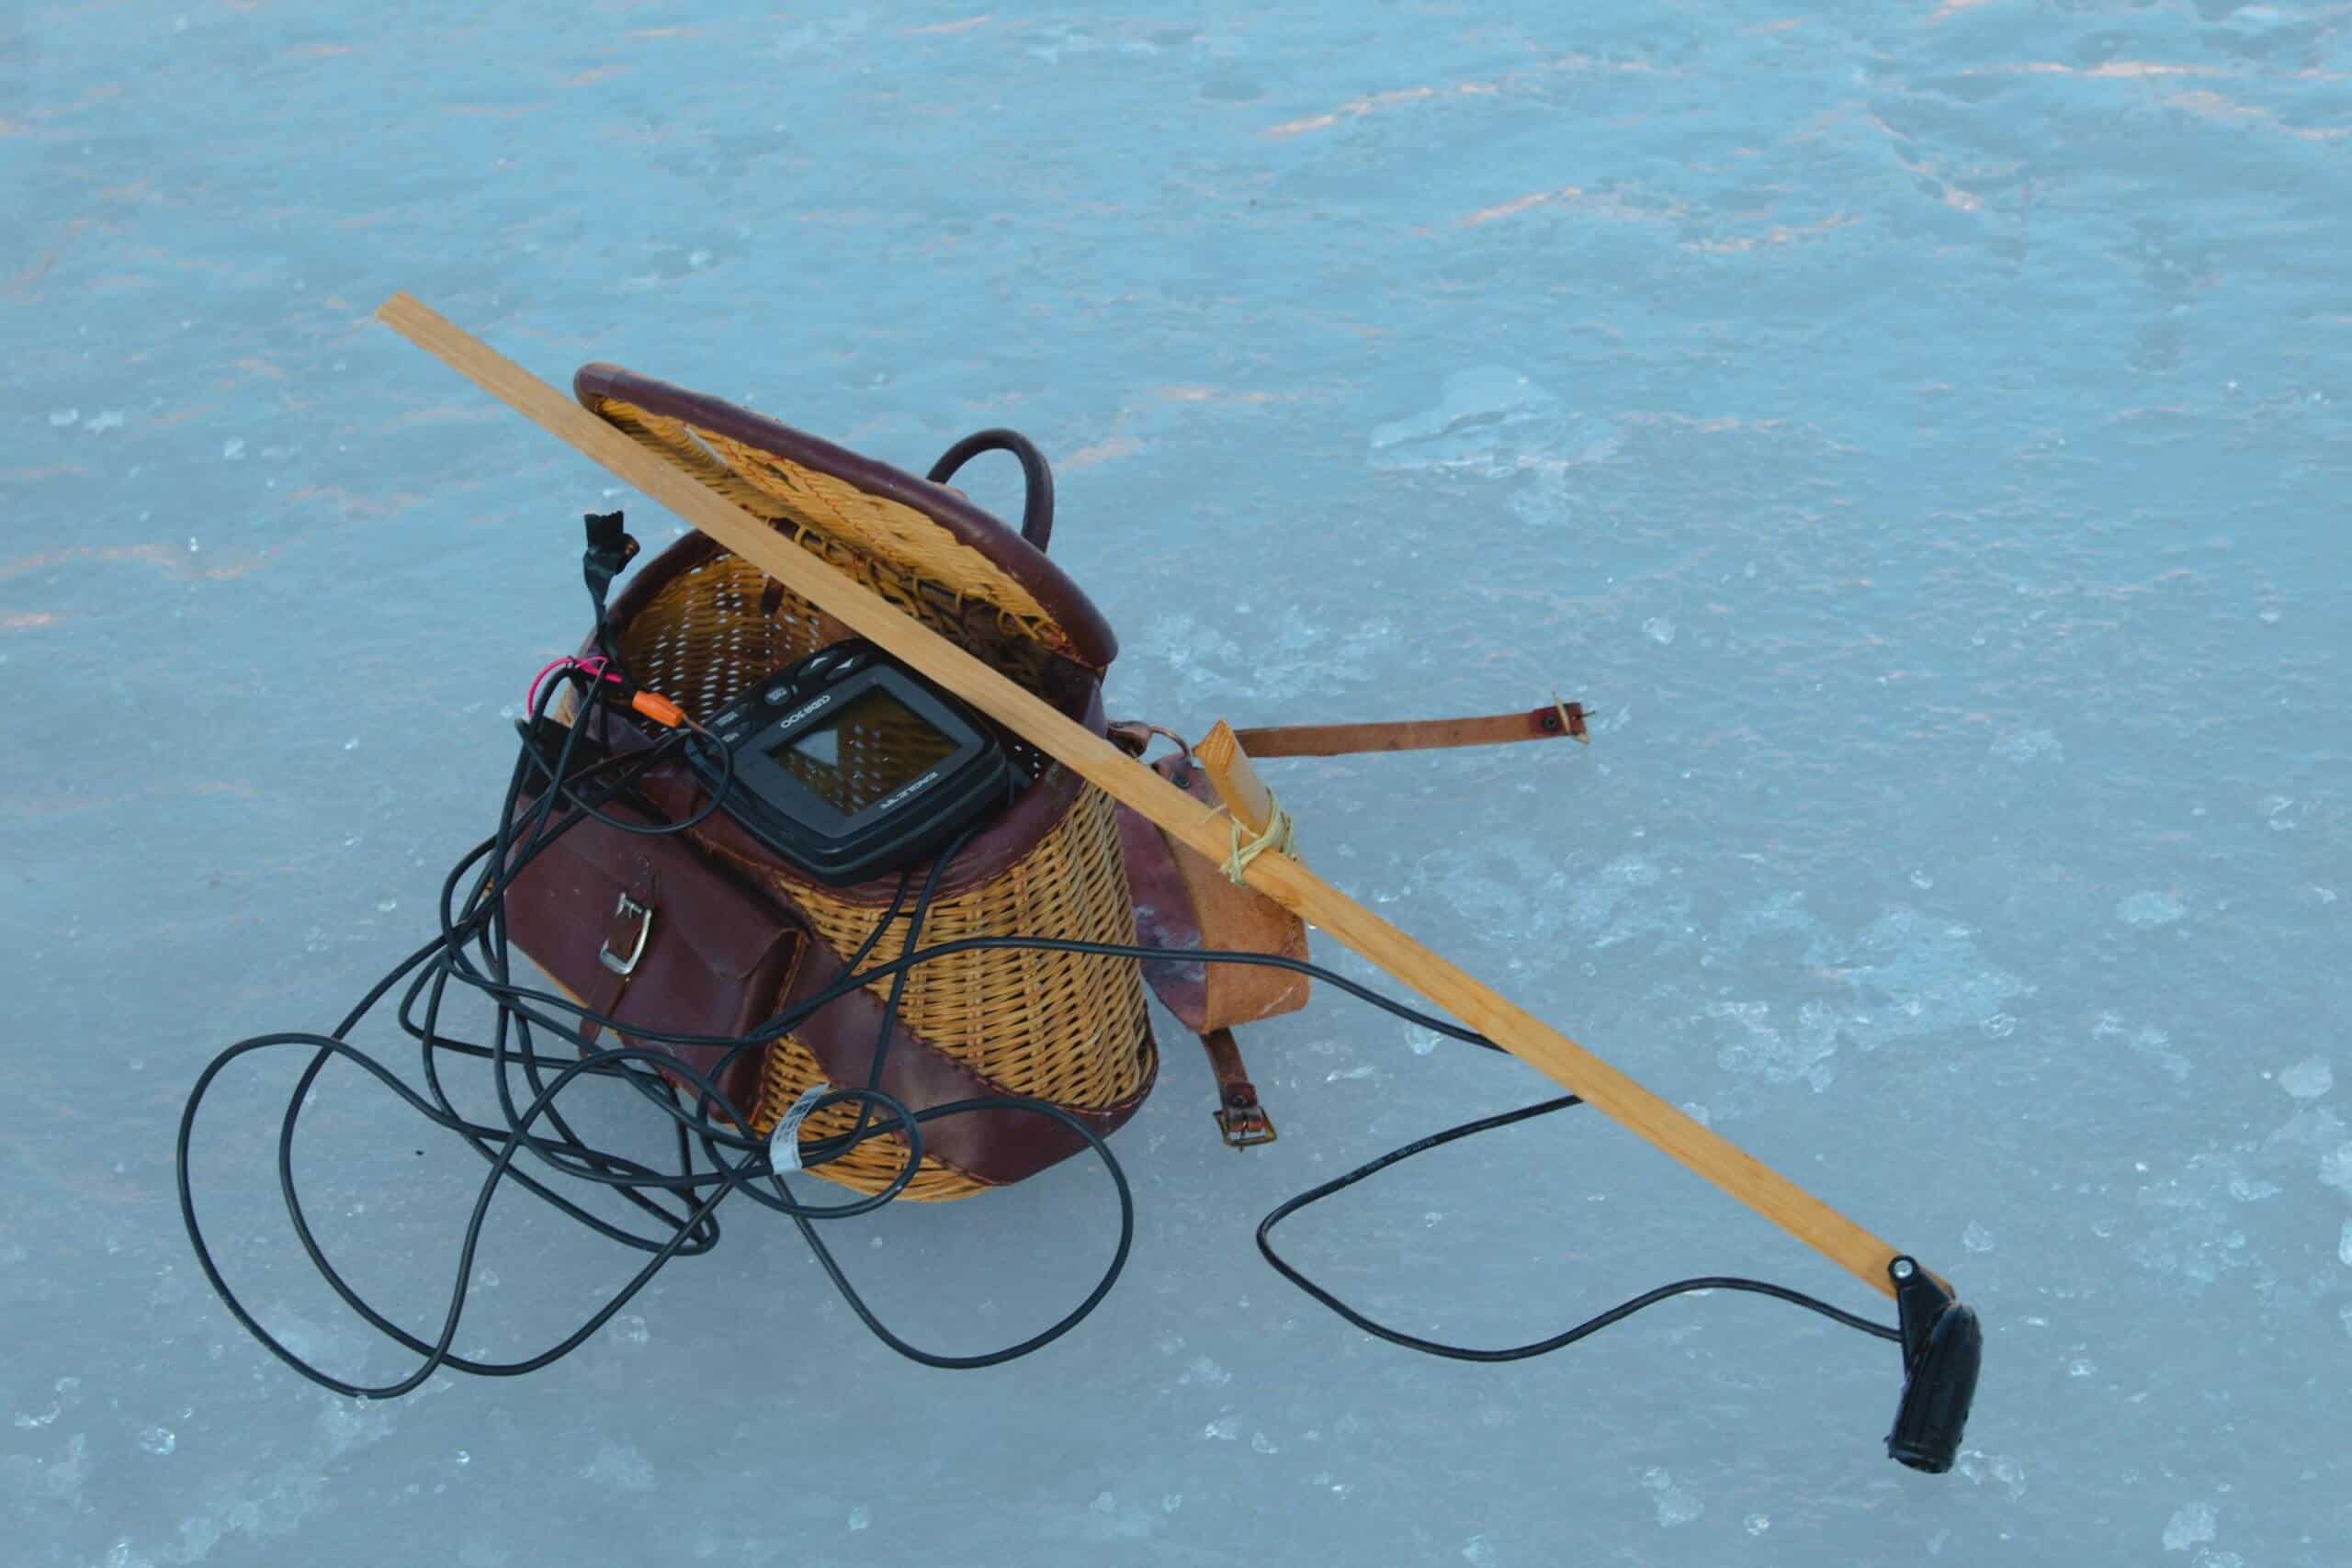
(994, 1146)
(1240, 1118)
(1413, 735)
(627, 928)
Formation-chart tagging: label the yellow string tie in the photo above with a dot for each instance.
(1568, 725)
(1277, 837)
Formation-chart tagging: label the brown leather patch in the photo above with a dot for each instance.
(1182, 901)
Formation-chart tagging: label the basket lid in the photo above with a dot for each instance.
(920, 531)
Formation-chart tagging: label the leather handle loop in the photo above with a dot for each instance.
(1036, 475)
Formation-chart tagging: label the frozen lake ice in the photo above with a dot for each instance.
(1918, 432)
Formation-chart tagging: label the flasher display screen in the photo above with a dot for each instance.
(872, 745)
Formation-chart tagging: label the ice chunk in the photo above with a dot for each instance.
(2150, 908)
(2308, 1079)
(1659, 629)
(619, 1467)
(2192, 1525)
(1422, 1041)
(233, 449)
(1478, 1553)
(1205, 1372)
(2026, 745)
(105, 419)
(1801, 1056)
(1675, 1506)
(158, 1441)
(860, 1517)
(2151, 1042)
(2344, 1245)
(63, 419)
(1261, 1443)
(1483, 418)
(1105, 1503)
(1976, 1238)
(1758, 1523)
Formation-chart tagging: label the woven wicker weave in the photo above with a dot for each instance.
(1060, 1027)
(1055, 1026)
(891, 547)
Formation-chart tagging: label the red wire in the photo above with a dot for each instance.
(593, 666)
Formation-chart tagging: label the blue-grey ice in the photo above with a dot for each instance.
(1921, 433)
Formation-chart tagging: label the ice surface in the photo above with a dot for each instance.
(1920, 432)
(1482, 418)
(2193, 1526)
(2308, 1079)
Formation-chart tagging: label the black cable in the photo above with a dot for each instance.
(436, 965)
(472, 953)
(1536, 1347)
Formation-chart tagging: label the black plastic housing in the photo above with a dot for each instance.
(973, 778)
(1943, 1348)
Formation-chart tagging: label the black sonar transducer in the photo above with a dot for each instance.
(851, 766)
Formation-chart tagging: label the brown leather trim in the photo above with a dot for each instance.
(1090, 635)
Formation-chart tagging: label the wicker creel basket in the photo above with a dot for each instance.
(700, 624)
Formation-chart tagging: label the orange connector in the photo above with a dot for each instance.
(659, 708)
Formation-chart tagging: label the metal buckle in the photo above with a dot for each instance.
(605, 954)
(1242, 1122)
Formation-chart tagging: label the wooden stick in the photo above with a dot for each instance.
(1235, 781)
(1197, 826)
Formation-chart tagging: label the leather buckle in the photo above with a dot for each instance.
(621, 911)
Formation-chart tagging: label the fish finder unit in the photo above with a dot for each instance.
(850, 765)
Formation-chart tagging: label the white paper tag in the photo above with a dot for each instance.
(784, 1143)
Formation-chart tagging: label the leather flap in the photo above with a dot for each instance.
(1182, 901)
(691, 951)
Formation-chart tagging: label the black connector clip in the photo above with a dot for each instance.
(1943, 1346)
(610, 550)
